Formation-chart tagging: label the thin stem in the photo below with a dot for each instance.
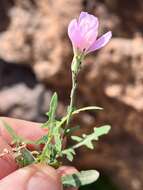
(72, 97)
(46, 154)
(43, 156)
(75, 68)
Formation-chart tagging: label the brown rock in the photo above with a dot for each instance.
(36, 35)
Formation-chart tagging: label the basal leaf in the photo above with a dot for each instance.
(28, 158)
(79, 179)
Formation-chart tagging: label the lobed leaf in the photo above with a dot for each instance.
(69, 153)
(86, 140)
(52, 111)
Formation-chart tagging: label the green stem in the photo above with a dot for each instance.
(75, 68)
(72, 97)
(44, 156)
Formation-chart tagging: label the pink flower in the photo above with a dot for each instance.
(83, 33)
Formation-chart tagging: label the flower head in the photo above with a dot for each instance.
(83, 33)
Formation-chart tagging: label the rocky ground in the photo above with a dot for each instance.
(34, 61)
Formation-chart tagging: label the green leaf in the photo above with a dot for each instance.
(86, 140)
(52, 111)
(69, 153)
(76, 138)
(89, 145)
(57, 138)
(80, 179)
(99, 131)
(15, 137)
(28, 158)
(42, 140)
(49, 151)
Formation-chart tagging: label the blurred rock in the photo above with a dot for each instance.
(123, 17)
(23, 102)
(36, 35)
(20, 95)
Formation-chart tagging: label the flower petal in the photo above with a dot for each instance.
(71, 28)
(74, 33)
(82, 16)
(90, 38)
(87, 22)
(101, 42)
(88, 27)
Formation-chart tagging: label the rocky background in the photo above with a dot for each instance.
(34, 62)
